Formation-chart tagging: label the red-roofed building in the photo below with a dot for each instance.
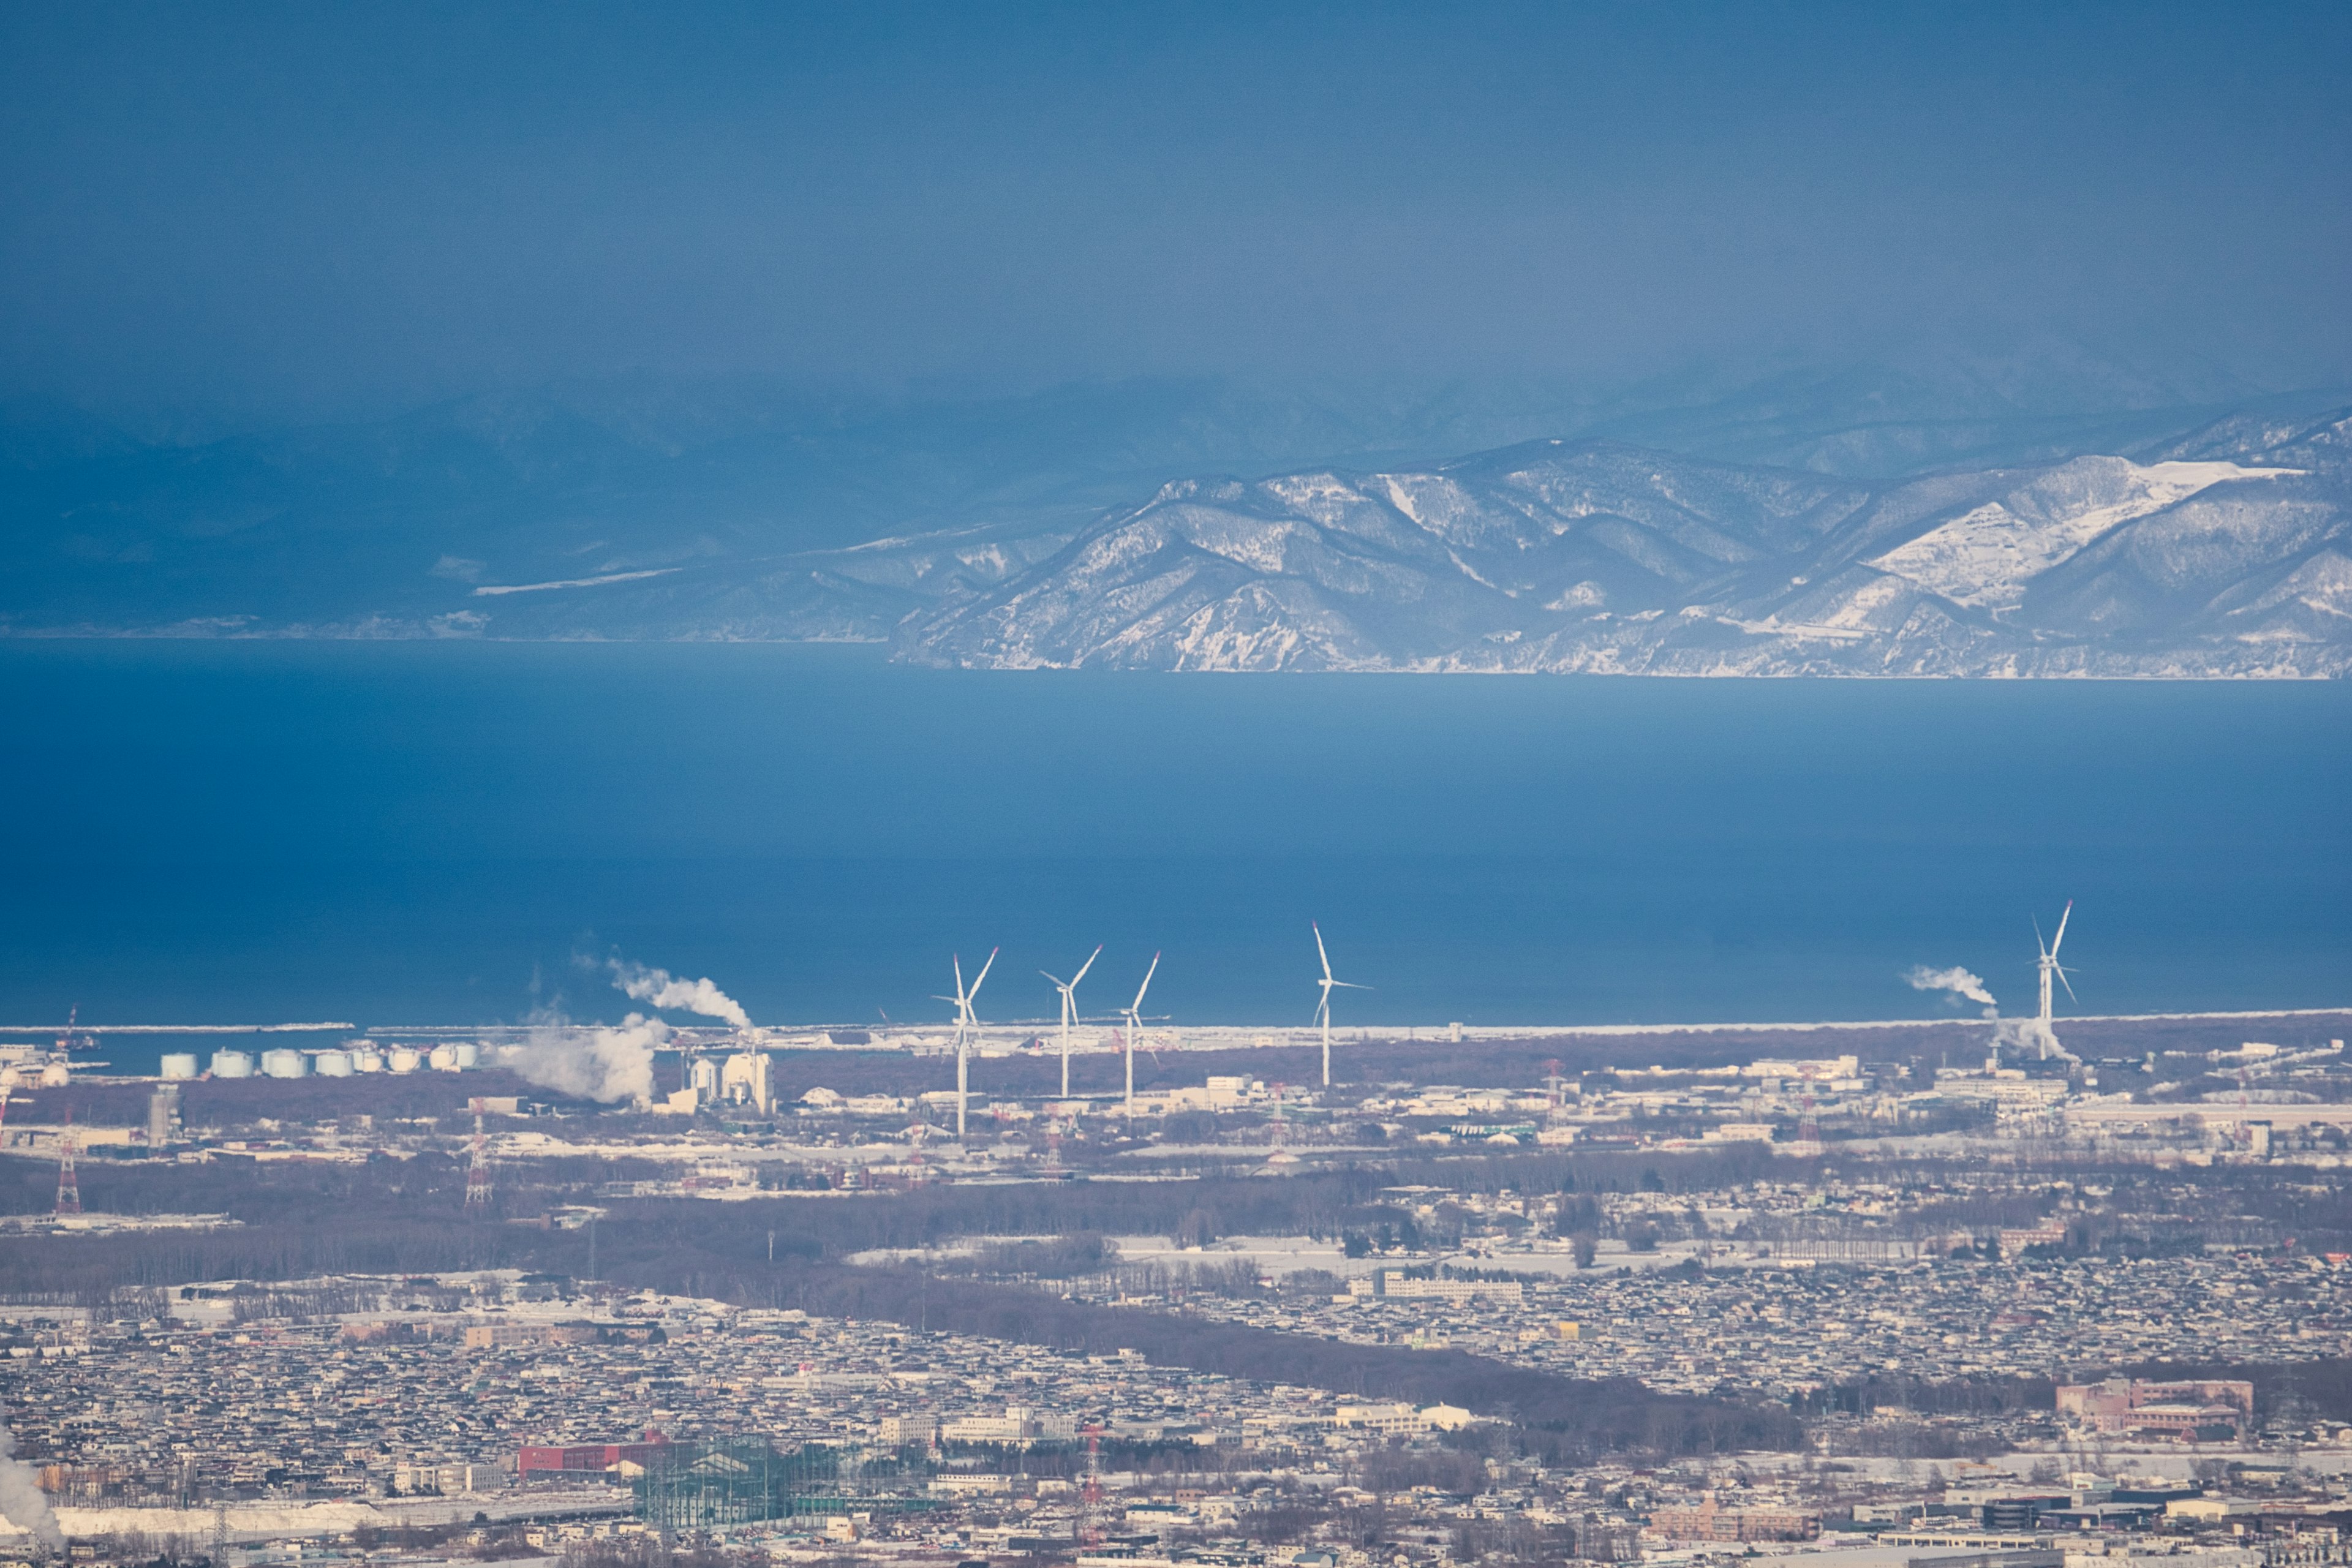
(580, 1461)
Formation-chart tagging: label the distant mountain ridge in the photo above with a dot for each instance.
(1596, 557)
(1958, 527)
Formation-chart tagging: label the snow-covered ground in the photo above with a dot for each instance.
(283, 1521)
(1985, 557)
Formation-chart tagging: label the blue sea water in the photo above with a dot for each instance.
(423, 832)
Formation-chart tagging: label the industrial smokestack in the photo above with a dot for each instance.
(660, 989)
(595, 1061)
(1956, 981)
(22, 1501)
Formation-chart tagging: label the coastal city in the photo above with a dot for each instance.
(1178, 785)
(1960, 1293)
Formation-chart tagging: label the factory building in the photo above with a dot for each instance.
(749, 1076)
(164, 1116)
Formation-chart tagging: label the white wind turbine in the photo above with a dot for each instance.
(1135, 1027)
(967, 1025)
(1323, 1008)
(1070, 1011)
(2049, 966)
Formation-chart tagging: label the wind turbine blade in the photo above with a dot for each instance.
(1319, 950)
(2069, 985)
(956, 960)
(2062, 929)
(1057, 984)
(1349, 986)
(982, 978)
(2040, 946)
(1147, 983)
(1089, 964)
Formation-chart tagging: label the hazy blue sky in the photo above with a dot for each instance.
(323, 205)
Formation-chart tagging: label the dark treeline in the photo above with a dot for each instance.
(2146, 1212)
(1324, 1202)
(88, 1271)
(389, 1216)
(721, 1251)
(1922, 1396)
(1561, 1416)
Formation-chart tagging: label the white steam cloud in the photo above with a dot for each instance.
(660, 989)
(607, 1062)
(22, 1501)
(1957, 981)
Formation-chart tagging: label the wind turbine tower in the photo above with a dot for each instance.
(2049, 967)
(1323, 1008)
(967, 1025)
(1070, 1011)
(1135, 1027)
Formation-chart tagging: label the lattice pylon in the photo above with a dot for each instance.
(68, 1186)
(477, 1174)
(1090, 1498)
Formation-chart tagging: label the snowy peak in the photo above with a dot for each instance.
(1985, 557)
(1596, 556)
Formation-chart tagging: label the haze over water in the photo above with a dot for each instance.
(426, 833)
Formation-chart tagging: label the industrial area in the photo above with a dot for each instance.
(1117, 1292)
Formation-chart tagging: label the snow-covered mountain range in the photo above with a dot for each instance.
(2224, 553)
(1834, 525)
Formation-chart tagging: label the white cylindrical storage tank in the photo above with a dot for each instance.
(331, 1064)
(232, 1064)
(57, 1075)
(402, 1059)
(180, 1064)
(445, 1058)
(469, 1054)
(366, 1059)
(284, 1063)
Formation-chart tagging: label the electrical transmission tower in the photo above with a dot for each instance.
(1090, 1520)
(477, 1174)
(68, 1187)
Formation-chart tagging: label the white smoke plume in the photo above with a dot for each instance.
(660, 989)
(1957, 981)
(22, 1501)
(607, 1062)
